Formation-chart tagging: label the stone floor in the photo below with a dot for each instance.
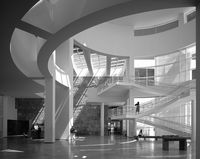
(91, 147)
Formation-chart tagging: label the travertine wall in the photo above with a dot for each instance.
(88, 122)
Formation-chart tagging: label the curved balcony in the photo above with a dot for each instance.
(153, 106)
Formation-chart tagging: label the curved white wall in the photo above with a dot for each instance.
(119, 40)
(24, 49)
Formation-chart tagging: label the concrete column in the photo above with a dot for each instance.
(197, 80)
(193, 136)
(5, 115)
(131, 128)
(131, 124)
(70, 73)
(108, 65)
(131, 69)
(102, 119)
(9, 112)
(124, 127)
(49, 124)
(64, 94)
(1, 116)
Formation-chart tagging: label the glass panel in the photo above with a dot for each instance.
(118, 66)
(98, 64)
(144, 63)
(79, 62)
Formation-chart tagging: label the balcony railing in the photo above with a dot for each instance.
(162, 78)
(176, 127)
(153, 105)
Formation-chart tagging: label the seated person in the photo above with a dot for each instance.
(73, 132)
(140, 134)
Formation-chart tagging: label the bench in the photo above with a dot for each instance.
(182, 141)
(167, 138)
(148, 137)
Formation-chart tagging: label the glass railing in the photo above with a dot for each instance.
(83, 97)
(153, 105)
(131, 110)
(167, 124)
(77, 82)
(184, 120)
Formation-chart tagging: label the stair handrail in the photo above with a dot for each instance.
(38, 115)
(130, 109)
(84, 92)
(161, 118)
(169, 124)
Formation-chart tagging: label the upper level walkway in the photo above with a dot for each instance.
(180, 95)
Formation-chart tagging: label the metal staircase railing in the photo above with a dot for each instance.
(39, 117)
(82, 100)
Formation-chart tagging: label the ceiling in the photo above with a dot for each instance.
(12, 81)
(152, 18)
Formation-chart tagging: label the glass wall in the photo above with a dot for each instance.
(79, 62)
(175, 67)
(118, 66)
(172, 68)
(144, 71)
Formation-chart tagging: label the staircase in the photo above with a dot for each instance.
(181, 93)
(80, 97)
(170, 126)
(152, 107)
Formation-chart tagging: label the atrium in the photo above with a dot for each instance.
(110, 69)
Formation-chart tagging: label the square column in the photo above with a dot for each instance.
(5, 115)
(9, 112)
(130, 68)
(193, 133)
(131, 124)
(49, 122)
(102, 119)
(64, 91)
(197, 73)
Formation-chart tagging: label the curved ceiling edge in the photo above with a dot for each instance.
(98, 17)
(98, 52)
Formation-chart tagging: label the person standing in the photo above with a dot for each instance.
(137, 107)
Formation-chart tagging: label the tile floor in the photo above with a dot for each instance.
(90, 147)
